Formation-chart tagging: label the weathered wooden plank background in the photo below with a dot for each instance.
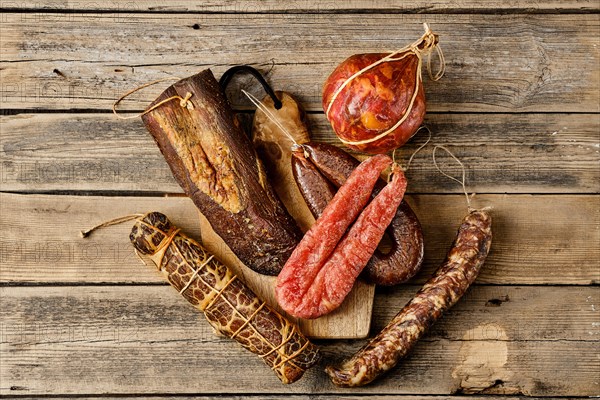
(41, 241)
(504, 153)
(494, 62)
(520, 105)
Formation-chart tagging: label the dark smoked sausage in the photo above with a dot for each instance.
(442, 291)
(316, 190)
(326, 165)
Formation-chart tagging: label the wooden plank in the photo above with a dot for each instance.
(514, 153)
(500, 63)
(304, 6)
(47, 235)
(537, 239)
(255, 396)
(521, 312)
(139, 339)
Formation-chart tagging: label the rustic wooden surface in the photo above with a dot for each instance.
(520, 105)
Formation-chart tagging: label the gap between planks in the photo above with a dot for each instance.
(72, 341)
(503, 313)
(303, 7)
(271, 395)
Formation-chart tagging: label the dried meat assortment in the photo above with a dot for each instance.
(375, 103)
(320, 168)
(228, 304)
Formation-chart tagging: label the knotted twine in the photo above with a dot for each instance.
(183, 101)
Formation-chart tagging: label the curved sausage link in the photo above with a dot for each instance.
(442, 291)
(405, 257)
(316, 190)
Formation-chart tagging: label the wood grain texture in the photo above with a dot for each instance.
(265, 396)
(500, 63)
(514, 153)
(542, 239)
(102, 340)
(305, 6)
(530, 68)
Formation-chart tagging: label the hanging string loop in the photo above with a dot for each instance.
(183, 101)
(463, 176)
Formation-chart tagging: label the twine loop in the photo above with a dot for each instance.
(184, 102)
(396, 165)
(463, 176)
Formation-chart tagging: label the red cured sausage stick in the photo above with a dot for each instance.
(335, 280)
(325, 165)
(315, 248)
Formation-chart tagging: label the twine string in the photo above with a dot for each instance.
(442, 62)
(462, 166)
(115, 221)
(183, 101)
(248, 320)
(396, 164)
(160, 252)
(195, 274)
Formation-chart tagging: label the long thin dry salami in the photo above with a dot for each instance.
(228, 304)
(333, 165)
(337, 276)
(442, 291)
(301, 269)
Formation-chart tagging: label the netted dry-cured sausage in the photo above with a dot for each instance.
(228, 304)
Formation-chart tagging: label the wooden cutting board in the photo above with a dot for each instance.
(351, 320)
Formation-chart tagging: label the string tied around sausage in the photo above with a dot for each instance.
(184, 102)
(425, 45)
(115, 221)
(169, 236)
